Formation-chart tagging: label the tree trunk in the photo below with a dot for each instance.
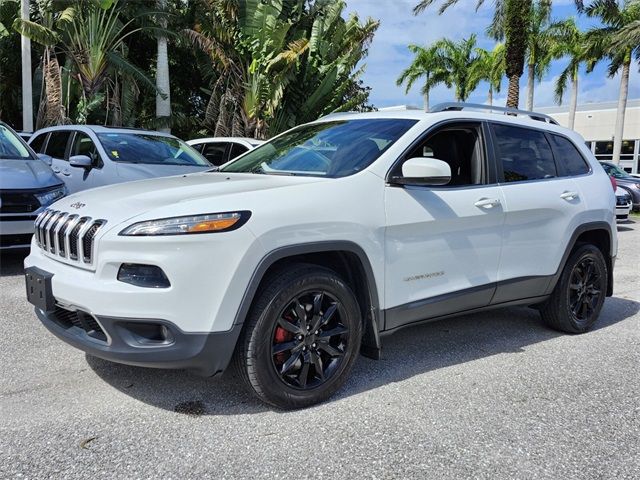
(574, 100)
(531, 80)
(27, 86)
(54, 110)
(163, 104)
(490, 99)
(622, 107)
(513, 92)
(425, 101)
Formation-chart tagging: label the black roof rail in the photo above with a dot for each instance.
(458, 106)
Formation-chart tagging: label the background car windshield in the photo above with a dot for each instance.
(11, 148)
(615, 171)
(328, 149)
(149, 149)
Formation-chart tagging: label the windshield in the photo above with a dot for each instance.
(11, 147)
(615, 171)
(150, 149)
(328, 149)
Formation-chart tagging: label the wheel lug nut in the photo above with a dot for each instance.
(317, 332)
(314, 345)
(304, 349)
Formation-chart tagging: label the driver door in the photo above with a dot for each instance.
(83, 178)
(443, 243)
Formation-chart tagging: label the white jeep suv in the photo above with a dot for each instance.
(308, 249)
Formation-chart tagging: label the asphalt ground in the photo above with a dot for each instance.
(490, 395)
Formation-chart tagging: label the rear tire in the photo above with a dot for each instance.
(576, 301)
(301, 337)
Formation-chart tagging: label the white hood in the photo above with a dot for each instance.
(117, 203)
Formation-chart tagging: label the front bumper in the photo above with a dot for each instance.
(132, 342)
(16, 231)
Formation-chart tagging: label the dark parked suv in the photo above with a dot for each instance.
(625, 181)
(27, 186)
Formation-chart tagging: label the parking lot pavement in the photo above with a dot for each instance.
(491, 395)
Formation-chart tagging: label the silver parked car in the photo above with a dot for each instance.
(88, 156)
(27, 186)
(220, 150)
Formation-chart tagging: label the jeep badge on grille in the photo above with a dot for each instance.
(78, 205)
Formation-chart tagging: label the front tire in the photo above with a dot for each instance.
(301, 337)
(576, 301)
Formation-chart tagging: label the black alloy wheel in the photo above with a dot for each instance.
(301, 337)
(309, 340)
(579, 294)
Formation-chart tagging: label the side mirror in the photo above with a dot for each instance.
(80, 161)
(45, 158)
(424, 171)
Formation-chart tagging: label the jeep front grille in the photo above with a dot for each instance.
(68, 236)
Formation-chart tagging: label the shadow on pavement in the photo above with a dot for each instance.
(12, 262)
(409, 352)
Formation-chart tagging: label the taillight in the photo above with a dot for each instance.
(614, 184)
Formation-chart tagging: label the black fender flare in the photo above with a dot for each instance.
(373, 321)
(609, 258)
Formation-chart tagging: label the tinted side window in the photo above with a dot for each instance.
(57, 144)
(215, 153)
(237, 150)
(38, 143)
(525, 154)
(568, 157)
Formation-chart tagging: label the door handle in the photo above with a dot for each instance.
(66, 173)
(569, 195)
(56, 170)
(487, 202)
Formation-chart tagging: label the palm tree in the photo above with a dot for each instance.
(617, 41)
(511, 23)
(27, 90)
(48, 34)
(541, 48)
(572, 45)
(427, 64)
(490, 67)
(163, 102)
(92, 36)
(458, 59)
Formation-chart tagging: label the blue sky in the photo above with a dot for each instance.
(388, 54)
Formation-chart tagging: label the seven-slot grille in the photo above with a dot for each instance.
(67, 235)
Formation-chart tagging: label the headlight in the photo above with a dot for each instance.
(50, 196)
(208, 223)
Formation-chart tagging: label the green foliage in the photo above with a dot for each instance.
(280, 63)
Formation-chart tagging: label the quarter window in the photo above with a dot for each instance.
(568, 157)
(57, 144)
(525, 154)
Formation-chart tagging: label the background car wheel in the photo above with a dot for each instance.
(301, 337)
(577, 299)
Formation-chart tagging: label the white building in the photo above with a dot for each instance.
(596, 123)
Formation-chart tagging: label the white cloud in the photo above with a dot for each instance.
(388, 54)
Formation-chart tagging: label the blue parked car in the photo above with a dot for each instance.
(27, 186)
(89, 156)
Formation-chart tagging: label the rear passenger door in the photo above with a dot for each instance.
(57, 149)
(542, 209)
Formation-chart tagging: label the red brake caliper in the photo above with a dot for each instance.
(281, 336)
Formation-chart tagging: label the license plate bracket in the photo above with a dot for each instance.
(39, 292)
